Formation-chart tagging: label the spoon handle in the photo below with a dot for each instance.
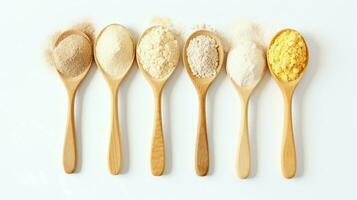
(70, 146)
(243, 161)
(202, 154)
(288, 155)
(158, 146)
(114, 154)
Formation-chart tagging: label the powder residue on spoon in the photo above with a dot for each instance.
(202, 54)
(72, 55)
(158, 52)
(115, 50)
(287, 55)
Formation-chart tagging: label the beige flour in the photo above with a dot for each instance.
(115, 50)
(158, 52)
(202, 54)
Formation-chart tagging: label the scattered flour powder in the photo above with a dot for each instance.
(202, 54)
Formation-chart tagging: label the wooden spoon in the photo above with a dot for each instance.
(158, 144)
(243, 160)
(71, 84)
(114, 153)
(288, 154)
(202, 85)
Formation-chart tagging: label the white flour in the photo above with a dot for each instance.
(245, 63)
(246, 60)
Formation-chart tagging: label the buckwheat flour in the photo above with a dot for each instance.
(73, 54)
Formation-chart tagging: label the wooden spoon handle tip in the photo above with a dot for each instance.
(70, 146)
(158, 144)
(202, 152)
(243, 161)
(114, 153)
(288, 155)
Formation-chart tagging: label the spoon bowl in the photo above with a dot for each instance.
(288, 154)
(158, 145)
(202, 85)
(114, 153)
(71, 84)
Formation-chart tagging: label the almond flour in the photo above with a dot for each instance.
(158, 52)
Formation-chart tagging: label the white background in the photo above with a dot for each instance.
(33, 108)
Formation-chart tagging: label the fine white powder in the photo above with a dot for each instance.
(158, 52)
(202, 54)
(246, 59)
(246, 63)
(115, 50)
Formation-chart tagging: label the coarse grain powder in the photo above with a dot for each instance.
(158, 52)
(115, 50)
(202, 54)
(72, 55)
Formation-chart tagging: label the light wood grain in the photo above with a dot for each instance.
(158, 143)
(202, 85)
(70, 145)
(114, 152)
(202, 153)
(243, 160)
(244, 157)
(288, 154)
(71, 84)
